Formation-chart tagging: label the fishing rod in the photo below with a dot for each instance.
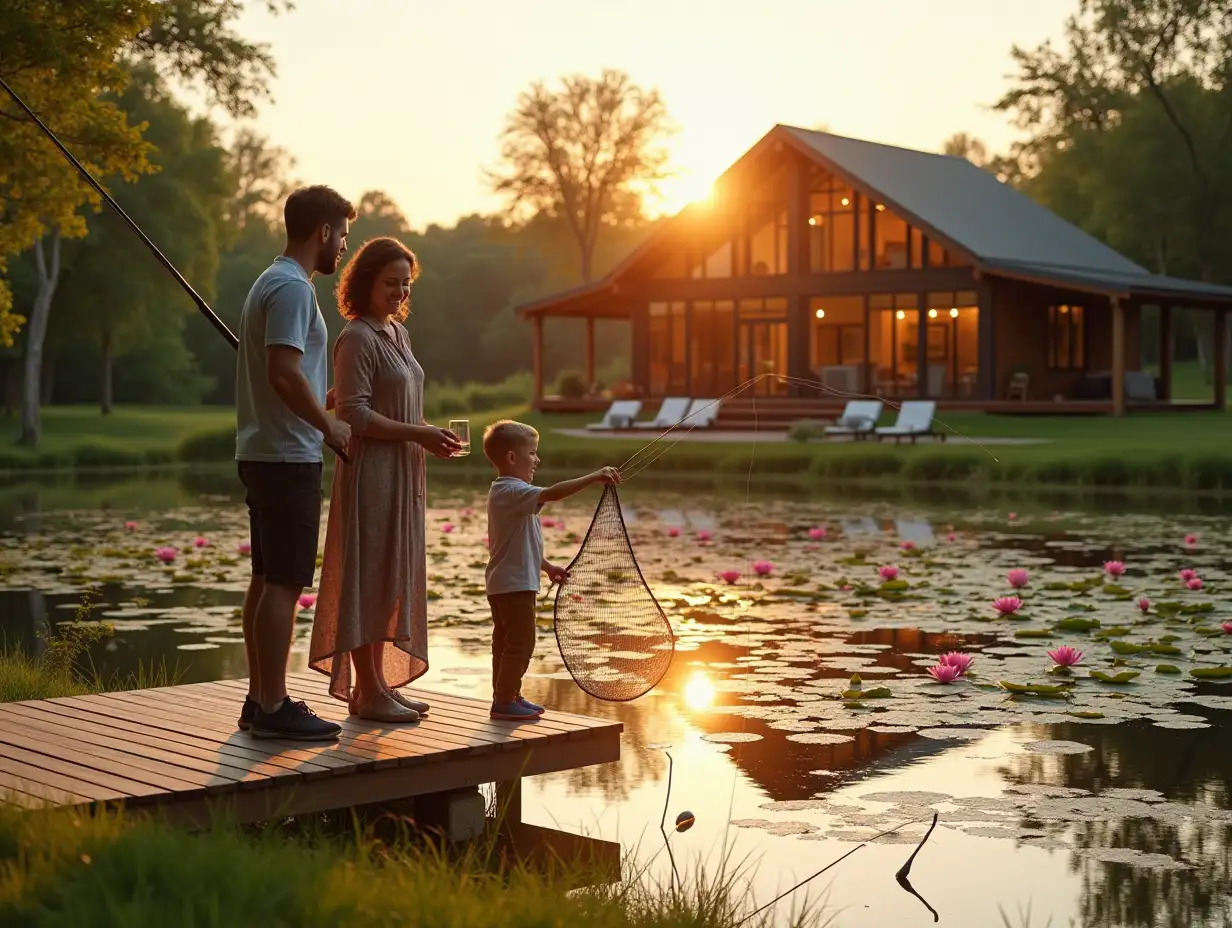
(196, 297)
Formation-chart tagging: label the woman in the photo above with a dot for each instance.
(374, 573)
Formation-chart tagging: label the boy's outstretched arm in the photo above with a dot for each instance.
(567, 488)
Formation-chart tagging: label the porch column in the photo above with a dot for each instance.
(921, 351)
(799, 323)
(1220, 350)
(987, 351)
(537, 360)
(1118, 357)
(590, 352)
(866, 377)
(1165, 352)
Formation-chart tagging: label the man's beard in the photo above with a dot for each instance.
(327, 264)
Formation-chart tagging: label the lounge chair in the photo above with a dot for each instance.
(672, 412)
(858, 419)
(620, 415)
(702, 413)
(915, 419)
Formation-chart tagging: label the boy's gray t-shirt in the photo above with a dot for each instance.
(515, 537)
(281, 309)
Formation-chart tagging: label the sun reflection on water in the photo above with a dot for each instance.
(699, 692)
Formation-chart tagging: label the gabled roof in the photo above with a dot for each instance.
(959, 205)
(964, 204)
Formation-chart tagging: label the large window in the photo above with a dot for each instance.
(713, 348)
(668, 372)
(836, 348)
(761, 343)
(890, 240)
(894, 339)
(1066, 338)
(832, 228)
(953, 344)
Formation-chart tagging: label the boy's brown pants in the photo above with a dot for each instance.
(513, 642)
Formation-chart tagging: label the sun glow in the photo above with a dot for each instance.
(699, 692)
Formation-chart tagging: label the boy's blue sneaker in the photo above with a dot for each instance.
(513, 712)
(523, 701)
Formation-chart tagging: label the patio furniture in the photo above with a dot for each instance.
(858, 419)
(702, 414)
(915, 419)
(672, 412)
(620, 415)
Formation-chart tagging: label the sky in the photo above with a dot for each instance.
(409, 96)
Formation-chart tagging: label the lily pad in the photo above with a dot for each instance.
(1211, 673)
(1035, 689)
(1123, 677)
(1077, 624)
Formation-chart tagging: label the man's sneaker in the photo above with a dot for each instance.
(295, 721)
(248, 713)
(513, 712)
(523, 701)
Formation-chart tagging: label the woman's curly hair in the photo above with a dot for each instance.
(355, 284)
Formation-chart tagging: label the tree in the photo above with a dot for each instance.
(1123, 50)
(962, 145)
(588, 152)
(113, 292)
(71, 59)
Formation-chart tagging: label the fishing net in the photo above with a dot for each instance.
(615, 640)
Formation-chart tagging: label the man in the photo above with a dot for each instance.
(280, 423)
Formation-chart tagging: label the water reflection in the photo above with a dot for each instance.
(752, 707)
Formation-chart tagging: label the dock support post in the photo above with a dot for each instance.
(509, 802)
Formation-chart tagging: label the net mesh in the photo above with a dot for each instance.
(614, 638)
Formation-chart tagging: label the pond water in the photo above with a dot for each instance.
(1101, 804)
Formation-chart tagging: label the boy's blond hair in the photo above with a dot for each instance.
(500, 438)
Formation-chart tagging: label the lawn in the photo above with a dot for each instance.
(131, 428)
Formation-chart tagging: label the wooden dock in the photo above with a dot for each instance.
(177, 749)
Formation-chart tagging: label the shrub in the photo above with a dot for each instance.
(940, 465)
(106, 456)
(805, 430)
(571, 386)
(218, 445)
(1208, 472)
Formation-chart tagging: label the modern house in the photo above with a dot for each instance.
(870, 269)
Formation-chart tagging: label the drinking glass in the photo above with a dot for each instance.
(462, 428)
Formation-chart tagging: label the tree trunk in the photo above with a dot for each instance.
(49, 380)
(104, 405)
(36, 332)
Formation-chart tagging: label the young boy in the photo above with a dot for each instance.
(515, 557)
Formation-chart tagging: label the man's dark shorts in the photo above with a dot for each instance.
(284, 517)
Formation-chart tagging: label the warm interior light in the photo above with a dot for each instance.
(900, 314)
(932, 314)
(821, 314)
(699, 692)
(953, 313)
(812, 220)
(1063, 309)
(880, 208)
(845, 201)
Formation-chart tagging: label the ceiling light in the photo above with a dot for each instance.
(953, 313)
(821, 314)
(845, 201)
(880, 208)
(900, 314)
(932, 314)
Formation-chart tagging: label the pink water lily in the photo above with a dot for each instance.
(1145, 605)
(1007, 605)
(1191, 540)
(951, 537)
(1013, 516)
(1195, 583)
(673, 532)
(244, 547)
(166, 554)
(956, 659)
(548, 522)
(130, 526)
(467, 512)
(1114, 568)
(817, 533)
(307, 600)
(1187, 574)
(888, 572)
(1018, 577)
(729, 576)
(703, 536)
(908, 546)
(447, 528)
(200, 542)
(763, 568)
(944, 673)
(1227, 628)
(1065, 656)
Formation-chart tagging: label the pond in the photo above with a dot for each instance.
(1089, 802)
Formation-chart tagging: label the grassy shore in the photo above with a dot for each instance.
(1175, 450)
(117, 870)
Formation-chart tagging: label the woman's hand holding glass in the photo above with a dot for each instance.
(439, 442)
